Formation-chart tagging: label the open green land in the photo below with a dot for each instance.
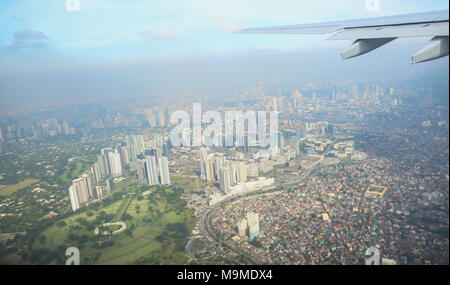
(75, 167)
(121, 210)
(157, 231)
(9, 189)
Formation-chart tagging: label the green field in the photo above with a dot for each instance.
(155, 233)
(121, 210)
(76, 167)
(9, 189)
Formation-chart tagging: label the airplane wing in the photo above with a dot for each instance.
(367, 34)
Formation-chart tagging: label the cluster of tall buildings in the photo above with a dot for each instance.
(362, 94)
(250, 224)
(155, 117)
(43, 128)
(110, 162)
(153, 168)
(83, 189)
(150, 161)
(151, 164)
(228, 173)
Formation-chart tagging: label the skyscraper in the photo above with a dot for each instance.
(224, 178)
(81, 187)
(242, 228)
(74, 201)
(241, 172)
(218, 164)
(164, 170)
(105, 152)
(115, 163)
(232, 172)
(89, 180)
(98, 194)
(97, 173)
(140, 169)
(253, 224)
(151, 170)
(210, 167)
(81, 190)
(104, 170)
(203, 157)
(124, 155)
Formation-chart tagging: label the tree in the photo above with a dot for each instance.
(42, 239)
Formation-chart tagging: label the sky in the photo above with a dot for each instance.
(44, 45)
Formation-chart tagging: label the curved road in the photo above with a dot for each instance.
(205, 220)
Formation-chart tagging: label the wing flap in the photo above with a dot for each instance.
(296, 29)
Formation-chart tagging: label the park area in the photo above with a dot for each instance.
(7, 190)
(157, 229)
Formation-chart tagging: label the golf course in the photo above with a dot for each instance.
(157, 229)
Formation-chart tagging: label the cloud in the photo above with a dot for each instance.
(160, 34)
(27, 34)
(164, 15)
(27, 39)
(19, 45)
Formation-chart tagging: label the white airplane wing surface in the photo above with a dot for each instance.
(367, 34)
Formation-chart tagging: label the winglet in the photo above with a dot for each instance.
(227, 26)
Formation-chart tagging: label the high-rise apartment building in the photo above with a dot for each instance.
(115, 163)
(74, 200)
(151, 170)
(164, 170)
(203, 158)
(210, 167)
(224, 179)
(253, 224)
(242, 228)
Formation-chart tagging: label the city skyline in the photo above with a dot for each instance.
(52, 57)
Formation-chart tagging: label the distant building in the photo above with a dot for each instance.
(115, 163)
(140, 169)
(252, 170)
(106, 160)
(97, 173)
(203, 158)
(74, 200)
(224, 179)
(232, 172)
(81, 190)
(253, 224)
(109, 185)
(210, 167)
(124, 155)
(218, 164)
(164, 170)
(104, 171)
(241, 172)
(242, 228)
(151, 170)
(98, 194)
